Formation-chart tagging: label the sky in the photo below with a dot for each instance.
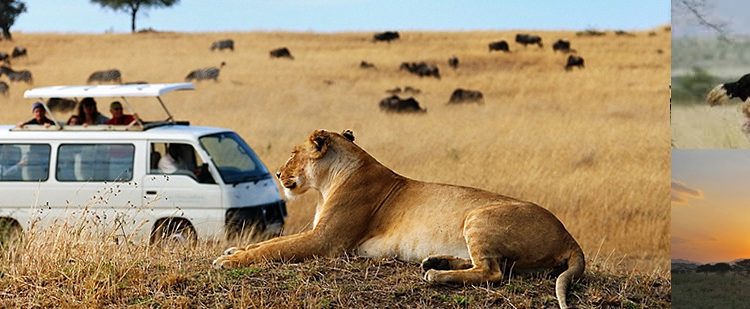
(81, 16)
(732, 14)
(710, 205)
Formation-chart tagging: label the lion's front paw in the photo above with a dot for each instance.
(231, 251)
(430, 275)
(224, 262)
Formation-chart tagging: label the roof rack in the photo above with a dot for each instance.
(97, 91)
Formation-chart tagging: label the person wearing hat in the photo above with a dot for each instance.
(118, 117)
(40, 116)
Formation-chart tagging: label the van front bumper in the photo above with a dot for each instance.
(250, 220)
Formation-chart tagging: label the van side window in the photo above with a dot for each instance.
(95, 162)
(24, 162)
(178, 159)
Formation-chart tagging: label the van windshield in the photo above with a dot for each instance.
(233, 158)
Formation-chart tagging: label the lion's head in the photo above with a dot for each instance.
(311, 161)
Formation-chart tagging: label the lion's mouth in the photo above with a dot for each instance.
(291, 186)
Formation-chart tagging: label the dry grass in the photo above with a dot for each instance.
(591, 145)
(698, 126)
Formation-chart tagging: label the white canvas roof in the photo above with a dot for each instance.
(134, 90)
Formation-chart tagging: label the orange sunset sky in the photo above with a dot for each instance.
(710, 205)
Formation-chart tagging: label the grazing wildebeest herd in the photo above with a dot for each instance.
(393, 103)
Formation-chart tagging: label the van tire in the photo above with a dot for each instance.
(173, 231)
(10, 232)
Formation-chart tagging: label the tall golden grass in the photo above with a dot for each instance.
(699, 126)
(591, 145)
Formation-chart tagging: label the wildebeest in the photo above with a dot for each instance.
(223, 44)
(465, 95)
(453, 62)
(112, 75)
(561, 45)
(205, 73)
(282, 52)
(4, 88)
(17, 76)
(499, 46)
(421, 69)
(723, 92)
(574, 61)
(407, 89)
(366, 65)
(4, 57)
(591, 32)
(623, 33)
(527, 39)
(398, 105)
(60, 104)
(18, 51)
(387, 36)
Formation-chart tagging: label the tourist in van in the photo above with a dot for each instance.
(119, 117)
(11, 162)
(40, 116)
(88, 114)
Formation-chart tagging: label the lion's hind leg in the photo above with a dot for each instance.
(485, 270)
(445, 262)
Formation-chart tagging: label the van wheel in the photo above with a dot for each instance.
(173, 231)
(10, 232)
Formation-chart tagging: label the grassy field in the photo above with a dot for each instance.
(699, 126)
(702, 290)
(591, 145)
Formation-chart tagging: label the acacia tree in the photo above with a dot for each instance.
(133, 6)
(9, 11)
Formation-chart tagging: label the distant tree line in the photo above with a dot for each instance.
(742, 266)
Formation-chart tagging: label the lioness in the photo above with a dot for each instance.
(461, 235)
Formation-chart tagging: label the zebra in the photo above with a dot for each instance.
(205, 73)
(18, 51)
(17, 76)
(223, 44)
(4, 88)
(112, 75)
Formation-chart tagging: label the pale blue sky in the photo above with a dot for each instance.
(348, 15)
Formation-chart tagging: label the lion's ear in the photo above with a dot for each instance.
(319, 139)
(348, 134)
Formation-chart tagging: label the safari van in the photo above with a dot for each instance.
(115, 174)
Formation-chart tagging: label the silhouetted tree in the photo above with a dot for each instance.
(133, 6)
(743, 265)
(9, 11)
(721, 267)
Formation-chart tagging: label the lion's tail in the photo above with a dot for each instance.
(576, 265)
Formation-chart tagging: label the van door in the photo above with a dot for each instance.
(95, 183)
(179, 185)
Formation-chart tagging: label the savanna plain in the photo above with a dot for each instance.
(592, 145)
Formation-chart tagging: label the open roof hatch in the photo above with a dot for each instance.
(98, 91)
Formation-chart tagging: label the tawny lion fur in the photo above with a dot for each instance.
(461, 235)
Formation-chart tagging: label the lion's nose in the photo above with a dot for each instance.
(278, 174)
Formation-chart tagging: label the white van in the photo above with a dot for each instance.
(154, 180)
